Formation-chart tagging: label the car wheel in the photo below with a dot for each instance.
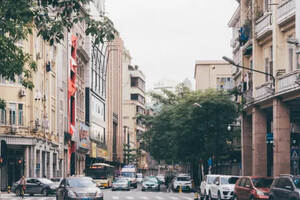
(45, 192)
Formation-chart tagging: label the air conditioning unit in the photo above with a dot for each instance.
(22, 93)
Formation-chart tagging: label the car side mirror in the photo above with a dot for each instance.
(288, 187)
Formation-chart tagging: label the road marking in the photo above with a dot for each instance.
(144, 198)
(160, 198)
(188, 198)
(175, 198)
(129, 197)
(115, 197)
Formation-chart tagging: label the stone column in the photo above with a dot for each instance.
(34, 161)
(246, 145)
(46, 166)
(259, 132)
(282, 138)
(41, 164)
(27, 163)
(51, 165)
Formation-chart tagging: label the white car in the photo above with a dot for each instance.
(161, 178)
(205, 185)
(139, 177)
(223, 187)
(184, 182)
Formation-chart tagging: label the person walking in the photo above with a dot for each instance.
(23, 186)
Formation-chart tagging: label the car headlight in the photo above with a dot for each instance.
(72, 194)
(260, 193)
(99, 194)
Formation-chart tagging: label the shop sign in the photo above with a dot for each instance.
(83, 136)
(93, 150)
(97, 109)
(97, 133)
(102, 153)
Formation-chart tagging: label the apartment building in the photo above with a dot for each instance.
(264, 35)
(213, 74)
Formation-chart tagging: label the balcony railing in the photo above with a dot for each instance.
(263, 25)
(288, 81)
(286, 10)
(264, 90)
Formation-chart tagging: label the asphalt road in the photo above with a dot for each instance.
(133, 194)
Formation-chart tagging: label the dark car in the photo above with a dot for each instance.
(251, 187)
(35, 186)
(285, 187)
(79, 188)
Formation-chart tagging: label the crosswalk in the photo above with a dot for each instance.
(150, 198)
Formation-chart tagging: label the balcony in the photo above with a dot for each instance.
(286, 11)
(263, 25)
(288, 81)
(264, 91)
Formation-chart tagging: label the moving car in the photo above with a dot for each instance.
(251, 187)
(139, 177)
(183, 181)
(285, 187)
(35, 186)
(161, 178)
(223, 187)
(150, 183)
(121, 184)
(79, 188)
(129, 172)
(205, 185)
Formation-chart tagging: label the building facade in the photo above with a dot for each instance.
(213, 74)
(263, 39)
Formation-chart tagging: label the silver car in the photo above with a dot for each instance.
(121, 184)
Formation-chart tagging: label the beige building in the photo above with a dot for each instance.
(133, 105)
(270, 120)
(28, 124)
(213, 74)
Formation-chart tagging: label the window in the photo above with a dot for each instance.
(2, 116)
(247, 183)
(267, 68)
(21, 118)
(291, 57)
(12, 114)
(98, 72)
(266, 5)
(242, 182)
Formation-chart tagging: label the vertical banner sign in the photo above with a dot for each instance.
(71, 94)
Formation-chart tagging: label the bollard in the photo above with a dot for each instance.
(180, 189)
(8, 189)
(196, 196)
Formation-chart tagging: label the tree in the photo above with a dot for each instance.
(183, 132)
(50, 18)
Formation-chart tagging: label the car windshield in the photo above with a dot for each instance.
(262, 182)
(296, 182)
(229, 180)
(151, 179)
(81, 182)
(186, 178)
(210, 179)
(128, 174)
(45, 181)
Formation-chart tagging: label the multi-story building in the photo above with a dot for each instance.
(133, 106)
(213, 74)
(28, 125)
(264, 39)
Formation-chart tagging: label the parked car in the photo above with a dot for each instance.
(252, 188)
(150, 183)
(121, 184)
(35, 186)
(205, 185)
(161, 178)
(183, 181)
(78, 188)
(223, 187)
(285, 187)
(139, 177)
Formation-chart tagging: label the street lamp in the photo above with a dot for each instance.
(230, 61)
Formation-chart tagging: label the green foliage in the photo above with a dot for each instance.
(183, 132)
(130, 155)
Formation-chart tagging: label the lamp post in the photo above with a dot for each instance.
(230, 61)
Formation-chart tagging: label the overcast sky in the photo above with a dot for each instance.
(166, 37)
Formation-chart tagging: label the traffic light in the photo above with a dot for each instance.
(20, 161)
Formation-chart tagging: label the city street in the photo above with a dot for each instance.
(134, 194)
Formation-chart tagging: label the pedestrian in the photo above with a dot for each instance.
(23, 186)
